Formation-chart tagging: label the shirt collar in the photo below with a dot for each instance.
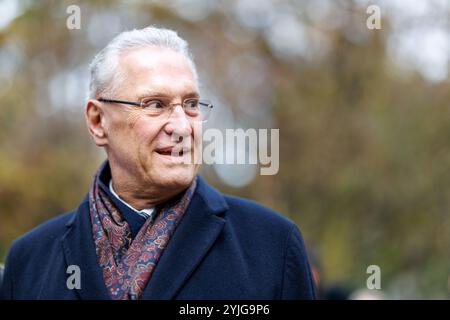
(145, 213)
(135, 221)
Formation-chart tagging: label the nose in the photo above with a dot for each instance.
(178, 125)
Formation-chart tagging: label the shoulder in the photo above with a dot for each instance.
(253, 217)
(253, 210)
(41, 237)
(268, 233)
(28, 258)
(245, 216)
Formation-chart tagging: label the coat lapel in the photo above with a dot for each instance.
(194, 236)
(79, 249)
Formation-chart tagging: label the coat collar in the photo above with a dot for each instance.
(79, 249)
(193, 237)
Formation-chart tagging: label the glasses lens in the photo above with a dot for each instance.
(192, 108)
(154, 106)
(197, 110)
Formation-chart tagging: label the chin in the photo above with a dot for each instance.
(176, 178)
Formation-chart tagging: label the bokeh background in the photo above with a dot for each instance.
(364, 119)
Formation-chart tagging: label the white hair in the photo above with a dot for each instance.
(104, 68)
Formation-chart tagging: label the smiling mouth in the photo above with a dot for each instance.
(172, 152)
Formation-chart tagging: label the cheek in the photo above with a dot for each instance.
(133, 118)
(197, 130)
(142, 131)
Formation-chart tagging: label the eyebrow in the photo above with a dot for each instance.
(145, 94)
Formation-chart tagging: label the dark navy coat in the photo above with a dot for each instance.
(225, 247)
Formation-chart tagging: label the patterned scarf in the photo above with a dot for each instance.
(128, 264)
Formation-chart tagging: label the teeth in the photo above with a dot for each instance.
(168, 153)
(175, 152)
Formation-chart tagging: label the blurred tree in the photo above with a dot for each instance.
(363, 145)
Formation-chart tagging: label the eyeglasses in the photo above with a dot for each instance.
(161, 107)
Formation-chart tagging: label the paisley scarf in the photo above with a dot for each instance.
(128, 263)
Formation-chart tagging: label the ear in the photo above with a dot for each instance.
(95, 120)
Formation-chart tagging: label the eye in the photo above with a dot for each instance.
(152, 104)
(191, 104)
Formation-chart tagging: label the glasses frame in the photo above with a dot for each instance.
(170, 105)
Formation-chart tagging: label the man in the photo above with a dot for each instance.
(150, 227)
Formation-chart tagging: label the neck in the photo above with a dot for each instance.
(140, 200)
(140, 194)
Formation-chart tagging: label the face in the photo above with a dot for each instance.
(141, 145)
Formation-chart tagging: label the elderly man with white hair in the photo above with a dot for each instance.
(150, 227)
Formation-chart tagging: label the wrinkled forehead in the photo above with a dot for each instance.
(157, 69)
